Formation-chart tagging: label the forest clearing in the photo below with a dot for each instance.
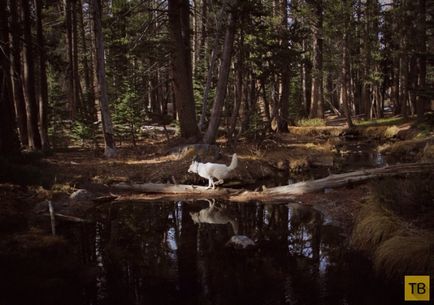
(313, 118)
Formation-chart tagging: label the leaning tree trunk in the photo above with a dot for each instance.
(43, 90)
(29, 81)
(101, 86)
(181, 68)
(222, 82)
(213, 59)
(9, 145)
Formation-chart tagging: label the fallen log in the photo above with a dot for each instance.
(280, 193)
(173, 189)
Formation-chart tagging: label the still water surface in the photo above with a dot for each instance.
(178, 253)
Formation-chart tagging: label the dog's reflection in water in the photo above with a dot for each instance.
(220, 215)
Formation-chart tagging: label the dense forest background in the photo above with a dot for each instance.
(104, 69)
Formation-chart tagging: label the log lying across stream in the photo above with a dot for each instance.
(153, 191)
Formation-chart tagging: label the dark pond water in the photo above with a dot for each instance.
(355, 155)
(177, 253)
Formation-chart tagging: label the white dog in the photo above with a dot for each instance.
(213, 170)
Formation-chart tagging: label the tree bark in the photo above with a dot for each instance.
(43, 90)
(29, 81)
(88, 75)
(317, 104)
(101, 86)
(75, 72)
(72, 103)
(421, 59)
(238, 98)
(345, 77)
(403, 60)
(213, 59)
(17, 82)
(181, 68)
(282, 118)
(366, 88)
(9, 145)
(222, 82)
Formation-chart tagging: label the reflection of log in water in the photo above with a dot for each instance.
(166, 191)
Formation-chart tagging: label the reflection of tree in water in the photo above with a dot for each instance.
(156, 254)
(137, 258)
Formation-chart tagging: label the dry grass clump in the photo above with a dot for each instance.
(409, 253)
(408, 149)
(395, 227)
(373, 226)
(384, 132)
(313, 131)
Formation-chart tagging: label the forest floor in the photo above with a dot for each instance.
(305, 153)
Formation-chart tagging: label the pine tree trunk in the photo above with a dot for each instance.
(70, 68)
(282, 119)
(43, 91)
(366, 88)
(403, 60)
(317, 107)
(88, 75)
(181, 68)
(75, 72)
(421, 59)
(101, 86)
(211, 133)
(345, 75)
(239, 74)
(17, 82)
(9, 144)
(29, 82)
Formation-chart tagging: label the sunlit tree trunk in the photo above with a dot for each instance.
(317, 107)
(100, 81)
(88, 75)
